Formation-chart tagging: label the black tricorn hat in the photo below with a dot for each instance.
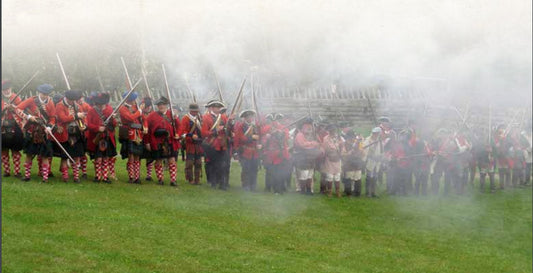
(194, 107)
(247, 112)
(215, 103)
(383, 119)
(162, 100)
(73, 95)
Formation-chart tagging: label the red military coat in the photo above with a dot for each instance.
(243, 142)
(131, 116)
(94, 121)
(187, 130)
(214, 137)
(30, 106)
(275, 139)
(63, 118)
(155, 121)
(12, 114)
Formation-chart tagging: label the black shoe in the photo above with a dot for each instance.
(130, 181)
(95, 180)
(148, 178)
(76, 181)
(25, 179)
(137, 181)
(84, 176)
(107, 181)
(18, 175)
(7, 175)
(51, 174)
(173, 184)
(160, 182)
(45, 181)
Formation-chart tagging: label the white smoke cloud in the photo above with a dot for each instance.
(477, 47)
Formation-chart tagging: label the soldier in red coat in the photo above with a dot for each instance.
(132, 143)
(70, 132)
(101, 137)
(163, 140)
(191, 132)
(84, 107)
(306, 152)
(248, 145)
(501, 154)
(12, 136)
(147, 155)
(215, 144)
(41, 118)
(275, 140)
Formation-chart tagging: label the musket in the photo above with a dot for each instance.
(63, 71)
(218, 86)
(147, 87)
(99, 79)
(23, 87)
(296, 121)
(239, 95)
(121, 102)
(80, 123)
(172, 121)
(126, 71)
(190, 91)
(42, 122)
(371, 109)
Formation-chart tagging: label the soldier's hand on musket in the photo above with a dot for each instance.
(101, 129)
(176, 137)
(259, 146)
(220, 127)
(195, 137)
(147, 146)
(32, 119)
(255, 137)
(81, 115)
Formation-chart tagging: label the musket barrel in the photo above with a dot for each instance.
(63, 71)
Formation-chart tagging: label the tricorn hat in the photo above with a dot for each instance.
(45, 88)
(194, 107)
(162, 100)
(215, 103)
(383, 119)
(247, 112)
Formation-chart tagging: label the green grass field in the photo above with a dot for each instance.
(89, 227)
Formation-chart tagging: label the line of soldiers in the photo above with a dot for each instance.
(71, 127)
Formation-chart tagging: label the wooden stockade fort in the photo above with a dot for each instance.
(360, 106)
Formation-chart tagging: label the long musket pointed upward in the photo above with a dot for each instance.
(63, 71)
(169, 98)
(147, 87)
(218, 86)
(122, 101)
(24, 86)
(239, 95)
(126, 71)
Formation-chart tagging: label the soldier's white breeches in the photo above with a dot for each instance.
(353, 175)
(305, 174)
(336, 177)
